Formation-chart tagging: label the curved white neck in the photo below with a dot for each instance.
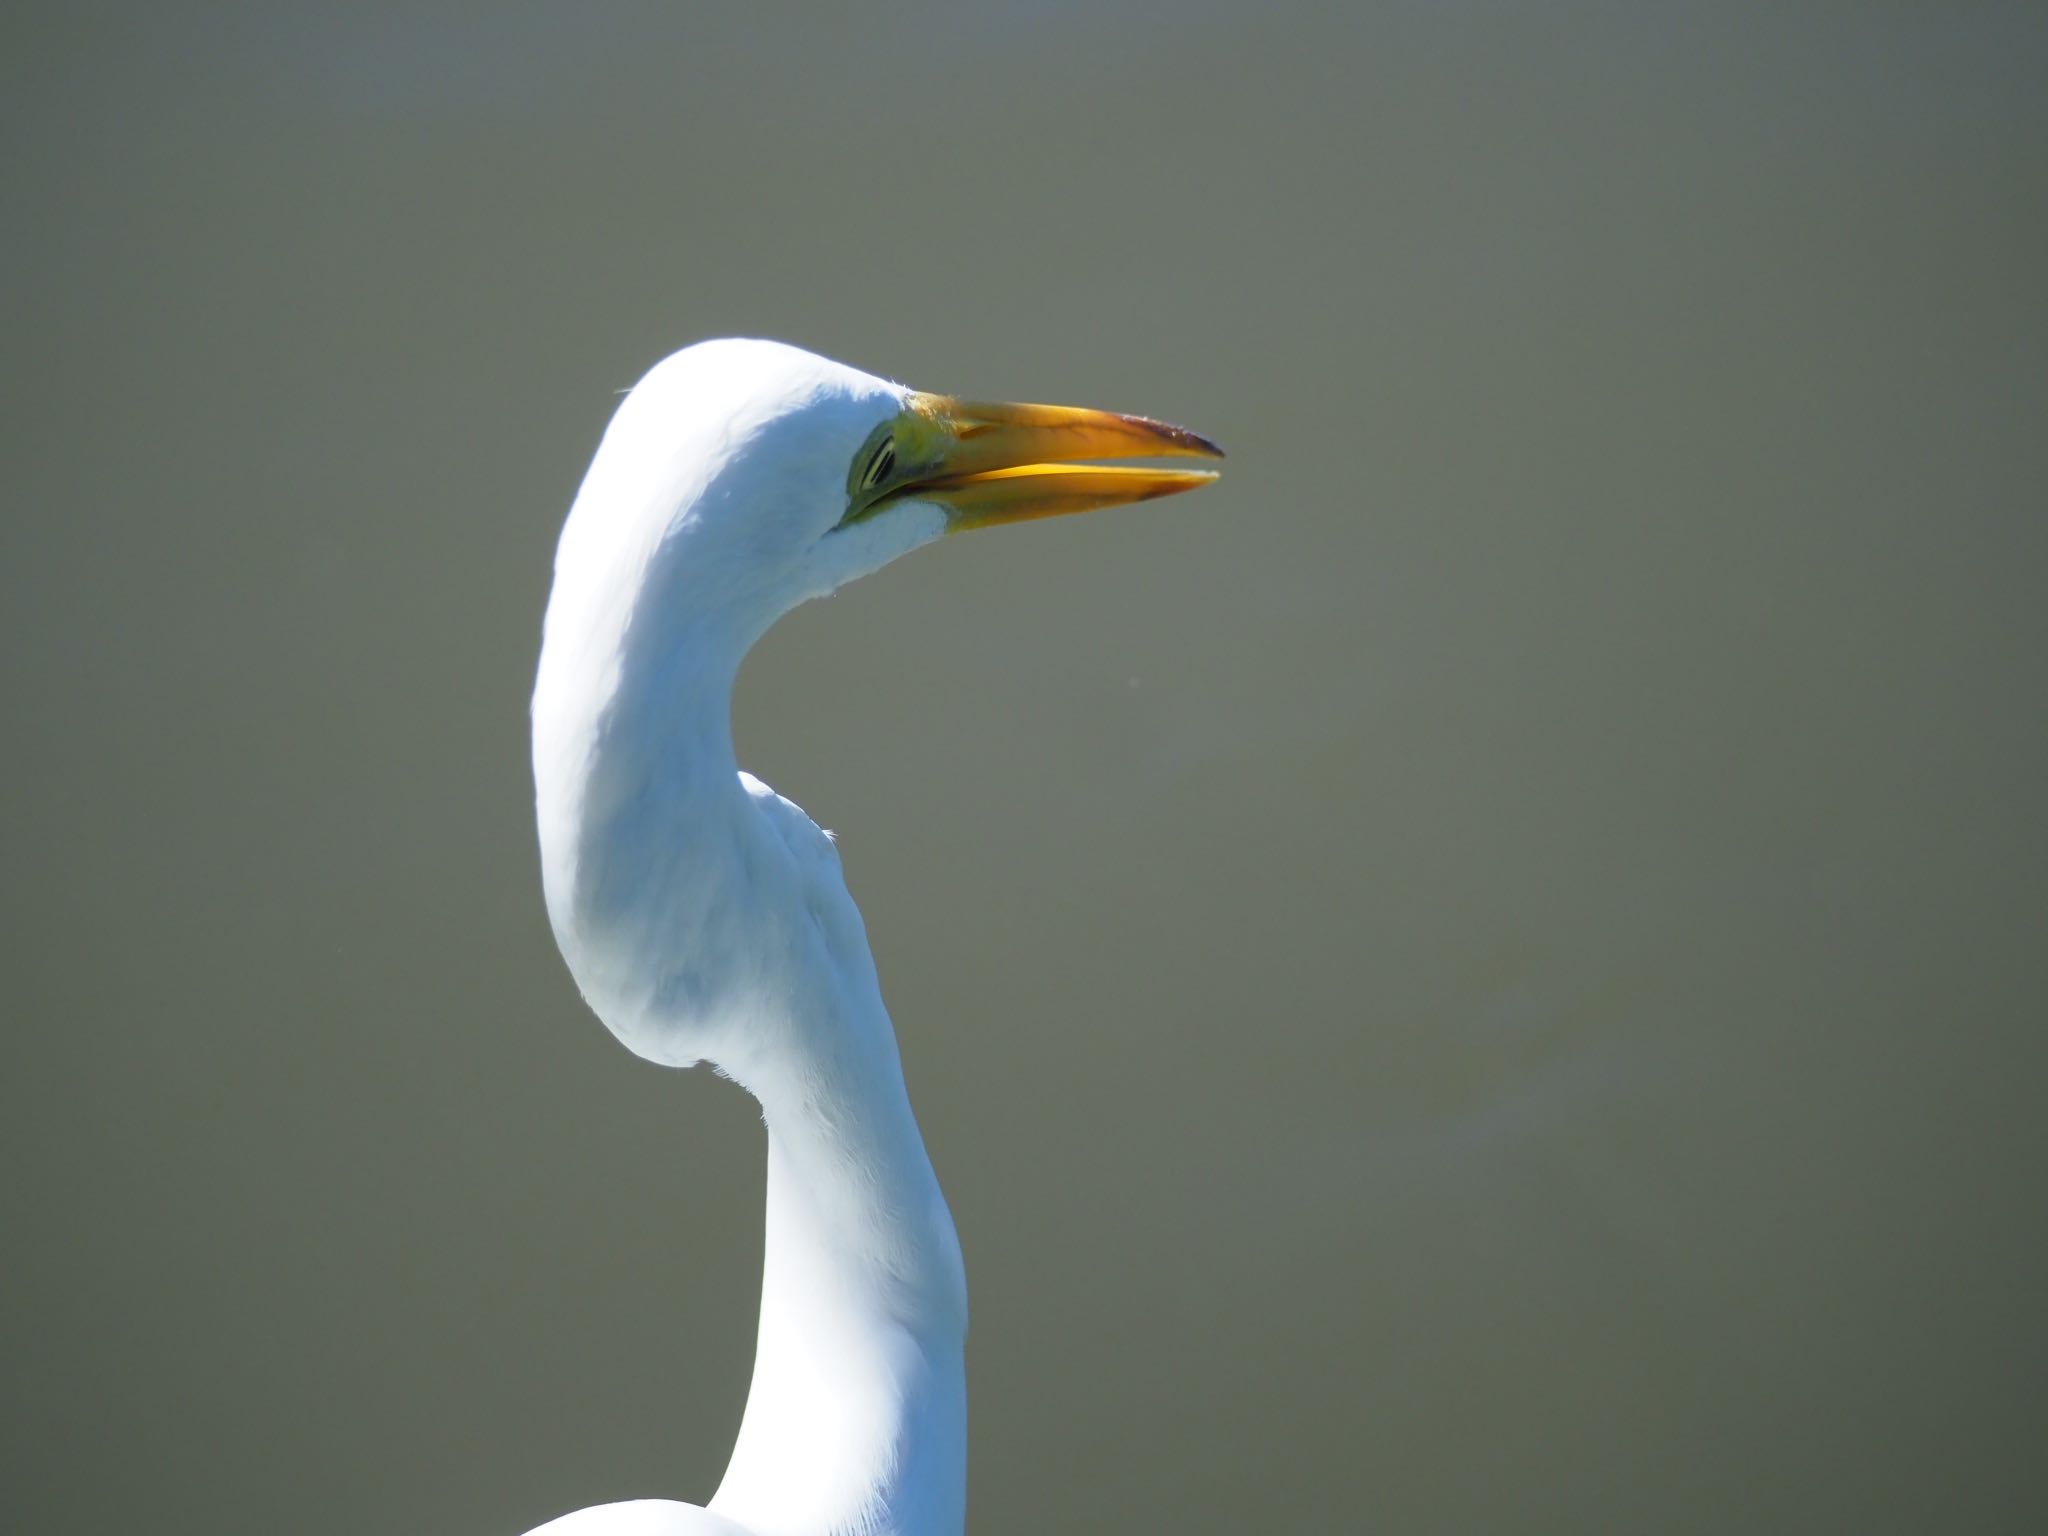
(706, 920)
(856, 1418)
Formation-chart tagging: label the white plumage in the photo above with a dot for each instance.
(704, 916)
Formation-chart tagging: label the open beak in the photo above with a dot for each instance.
(988, 464)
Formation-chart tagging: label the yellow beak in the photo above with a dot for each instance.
(988, 464)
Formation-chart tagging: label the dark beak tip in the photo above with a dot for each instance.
(1180, 437)
(1194, 442)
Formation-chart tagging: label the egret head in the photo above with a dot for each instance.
(741, 478)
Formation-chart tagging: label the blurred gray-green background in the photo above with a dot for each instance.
(1485, 975)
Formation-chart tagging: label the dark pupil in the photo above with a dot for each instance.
(884, 462)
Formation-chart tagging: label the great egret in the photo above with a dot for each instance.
(704, 916)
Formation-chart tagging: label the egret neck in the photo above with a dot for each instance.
(856, 1416)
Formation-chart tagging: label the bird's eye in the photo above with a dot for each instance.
(879, 466)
